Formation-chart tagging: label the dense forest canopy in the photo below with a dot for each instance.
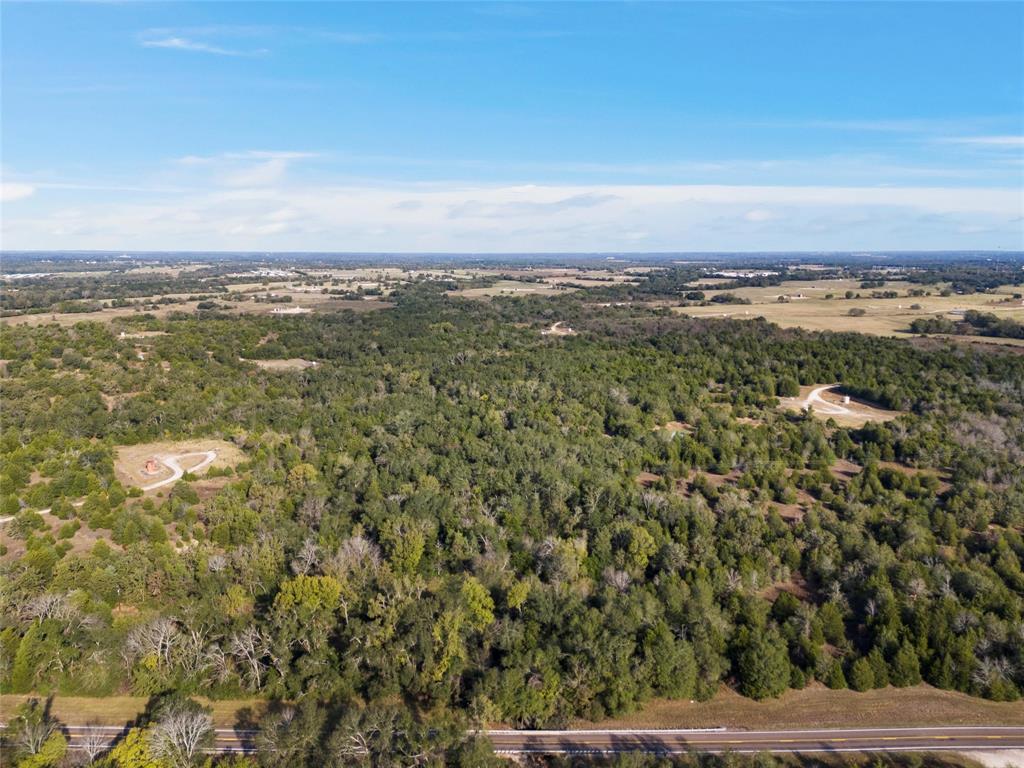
(455, 511)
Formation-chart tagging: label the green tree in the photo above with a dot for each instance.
(905, 668)
(835, 679)
(478, 602)
(861, 676)
(764, 666)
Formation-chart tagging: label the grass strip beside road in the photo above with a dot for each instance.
(812, 707)
(819, 707)
(118, 710)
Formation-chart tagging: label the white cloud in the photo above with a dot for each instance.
(987, 141)
(274, 215)
(253, 168)
(758, 214)
(10, 191)
(187, 44)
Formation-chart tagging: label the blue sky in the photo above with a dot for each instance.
(512, 127)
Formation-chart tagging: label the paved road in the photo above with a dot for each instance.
(952, 738)
(171, 461)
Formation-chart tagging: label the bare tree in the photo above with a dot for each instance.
(620, 580)
(33, 727)
(192, 652)
(180, 735)
(250, 646)
(992, 670)
(355, 554)
(95, 740)
(307, 559)
(158, 637)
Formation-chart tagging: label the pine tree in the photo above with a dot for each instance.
(862, 678)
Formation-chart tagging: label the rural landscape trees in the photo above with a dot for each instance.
(457, 512)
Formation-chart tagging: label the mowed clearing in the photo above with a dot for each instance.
(130, 461)
(291, 364)
(827, 402)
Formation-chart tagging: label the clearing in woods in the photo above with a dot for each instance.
(558, 329)
(130, 462)
(826, 401)
(291, 364)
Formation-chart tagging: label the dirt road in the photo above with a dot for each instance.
(821, 405)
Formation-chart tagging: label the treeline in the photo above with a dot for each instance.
(974, 323)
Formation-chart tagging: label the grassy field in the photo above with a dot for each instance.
(808, 308)
(316, 302)
(509, 288)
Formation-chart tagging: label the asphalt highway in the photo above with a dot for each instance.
(823, 740)
(951, 738)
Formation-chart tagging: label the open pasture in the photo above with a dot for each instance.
(508, 288)
(805, 306)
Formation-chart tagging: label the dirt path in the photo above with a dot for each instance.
(170, 461)
(559, 329)
(821, 405)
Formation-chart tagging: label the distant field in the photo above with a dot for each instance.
(882, 317)
(291, 364)
(316, 302)
(509, 288)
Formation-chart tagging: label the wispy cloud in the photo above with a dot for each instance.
(925, 126)
(252, 168)
(11, 191)
(350, 38)
(197, 46)
(249, 154)
(986, 141)
(514, 208)
(418, 217)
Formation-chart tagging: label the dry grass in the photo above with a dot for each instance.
(819, 707)
(673, 428)
(509, 288)
(118, 710)
(130, 460)
(883, 317)
(310, 301)
(291, 364)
